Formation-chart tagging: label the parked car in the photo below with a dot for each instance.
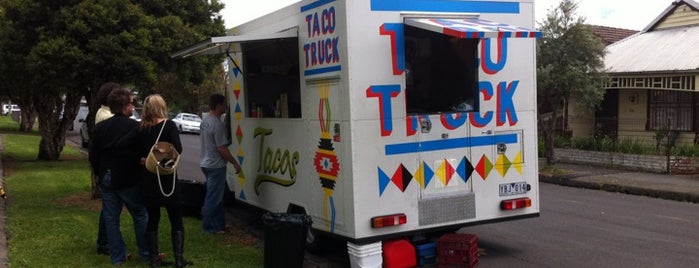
(9, 108)
(187, 122)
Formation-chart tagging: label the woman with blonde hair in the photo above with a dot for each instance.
(161, 190)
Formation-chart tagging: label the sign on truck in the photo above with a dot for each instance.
(383, 118)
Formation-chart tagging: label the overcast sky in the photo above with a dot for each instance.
(627, 14)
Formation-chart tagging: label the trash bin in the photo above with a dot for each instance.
(285, 239)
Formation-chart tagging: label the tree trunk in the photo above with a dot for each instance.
(55, 117)
(548, 128)
(27, 115)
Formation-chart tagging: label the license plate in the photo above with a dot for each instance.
(513, 188)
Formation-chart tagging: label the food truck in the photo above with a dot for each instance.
(384, 118)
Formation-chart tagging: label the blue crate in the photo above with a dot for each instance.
(426, 252)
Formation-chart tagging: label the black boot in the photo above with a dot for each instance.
(178, 248)
(152, 240)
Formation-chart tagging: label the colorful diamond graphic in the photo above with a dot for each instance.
(484, 167)
(383, 181)
(242, 195)
(402, 178)
(236, 91)
(239, 134)
(517, 162)
(326, 164)
(502, 165)
(423, 175)
(445, 172)
(465, 169)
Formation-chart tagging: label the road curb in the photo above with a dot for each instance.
(569, 180)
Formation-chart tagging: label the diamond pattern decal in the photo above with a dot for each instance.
(239, 134)
(445, 172)
(484, 167)
(402, 178)
(423, 175)
(517, 162)
(465, 169)
(383, 181)
(502, 165)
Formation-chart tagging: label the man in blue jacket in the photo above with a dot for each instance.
(114, 158)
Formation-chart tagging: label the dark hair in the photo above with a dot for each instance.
(216, 99)
(104, 91)
(118, 99)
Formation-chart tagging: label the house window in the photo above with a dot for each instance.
(671, 110)
(272, 82)
(442, 74)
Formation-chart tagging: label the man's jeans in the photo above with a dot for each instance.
(213, 213)
(113, 200)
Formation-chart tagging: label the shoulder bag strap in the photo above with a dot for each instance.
(157, 171)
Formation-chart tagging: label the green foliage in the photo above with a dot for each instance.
(561, 141)
(48, 224)
(569, 67)
(605, 144)
(685, 150)
(66, 49)
(541, 147)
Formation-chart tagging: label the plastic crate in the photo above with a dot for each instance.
(458, 241)
(426, 252)
(457, 250)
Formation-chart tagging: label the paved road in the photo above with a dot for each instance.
(189, 164)
(590, 228)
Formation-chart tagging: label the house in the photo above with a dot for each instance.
(653, 82)
(573, 121)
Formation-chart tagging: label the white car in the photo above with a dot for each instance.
(187, 122)
(7, 109)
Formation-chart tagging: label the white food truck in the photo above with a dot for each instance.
(385, 118)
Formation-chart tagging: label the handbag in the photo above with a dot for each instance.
(163, 159)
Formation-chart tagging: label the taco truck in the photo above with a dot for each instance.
(384, 118)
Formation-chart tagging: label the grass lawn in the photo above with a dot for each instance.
(52, 222)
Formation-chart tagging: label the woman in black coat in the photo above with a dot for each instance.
(161, 190)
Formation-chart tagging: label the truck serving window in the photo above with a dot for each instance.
(441, 72)
(272, 83)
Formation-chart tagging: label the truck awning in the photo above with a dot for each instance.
(220, 44)
(472, 28)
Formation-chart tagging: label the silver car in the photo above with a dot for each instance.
(187, 122)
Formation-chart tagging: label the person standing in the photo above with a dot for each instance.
(213, 158)
(114, 157)
(161, 190)
(103, 113)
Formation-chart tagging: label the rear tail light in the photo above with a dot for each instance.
(515, 203)
(388, 220)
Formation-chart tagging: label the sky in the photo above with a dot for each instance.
(626, 14)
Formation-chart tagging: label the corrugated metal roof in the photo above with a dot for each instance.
(669, 50)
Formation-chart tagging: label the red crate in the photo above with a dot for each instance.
(458, 241)
(457, 250)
